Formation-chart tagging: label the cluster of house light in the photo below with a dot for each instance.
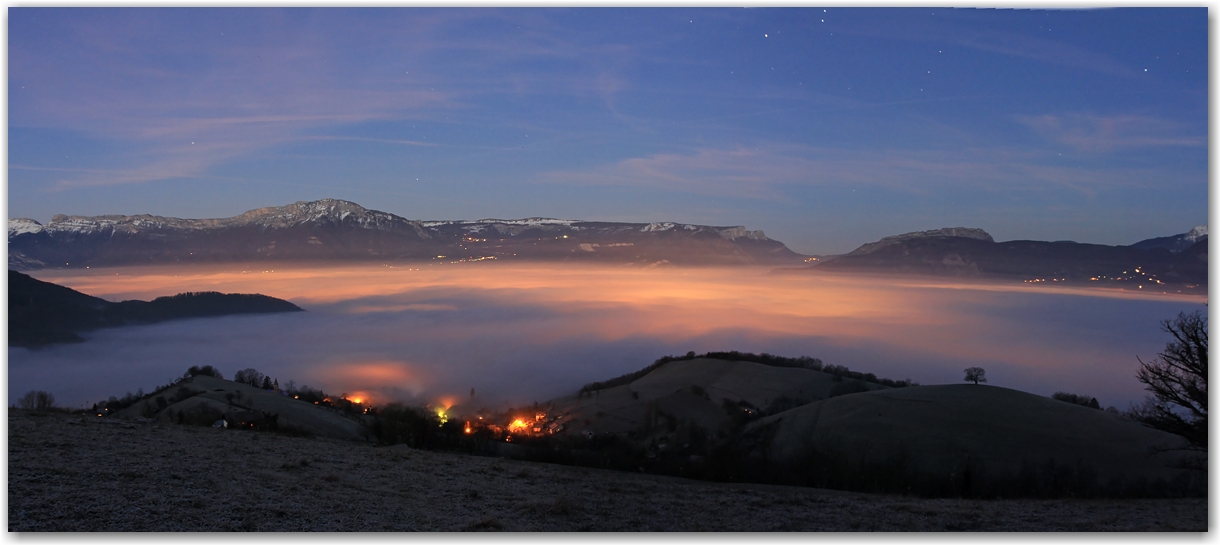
(1138, 271)
(1146, 276)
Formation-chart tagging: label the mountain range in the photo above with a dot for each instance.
(331, 230)
(1177, 262)
(335, 230)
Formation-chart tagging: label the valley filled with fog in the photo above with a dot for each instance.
(429, 333)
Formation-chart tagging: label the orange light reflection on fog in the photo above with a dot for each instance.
(613, 303)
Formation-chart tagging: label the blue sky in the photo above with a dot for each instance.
(827, 128)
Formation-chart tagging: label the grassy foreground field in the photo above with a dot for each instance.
(79, 473)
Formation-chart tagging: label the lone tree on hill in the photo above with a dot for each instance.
(1177, 380)
(976, 375)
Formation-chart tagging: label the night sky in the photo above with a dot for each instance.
(827, 128)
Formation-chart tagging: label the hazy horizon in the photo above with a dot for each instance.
(519, 333)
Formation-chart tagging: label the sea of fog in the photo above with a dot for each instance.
(523, 333)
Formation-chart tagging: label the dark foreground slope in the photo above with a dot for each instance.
(973, 440)
(42, 313)
(81, 473)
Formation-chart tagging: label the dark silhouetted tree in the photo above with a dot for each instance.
(1084, 401)
(976, 375)
(266, 383)
(1177, 380)
(208, 370)
(36, 401)
(249, 376)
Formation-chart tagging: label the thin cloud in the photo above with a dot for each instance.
(761, 173)
(192, 102)
(373, 140)
(1099, 134)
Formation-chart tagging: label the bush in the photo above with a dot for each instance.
(207, 370)
(1084, 401)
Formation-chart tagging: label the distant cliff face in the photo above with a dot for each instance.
(337, 230)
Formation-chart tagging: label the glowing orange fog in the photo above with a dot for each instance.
(379, 372)
(613, 303)
(566, 303)
(742, 288)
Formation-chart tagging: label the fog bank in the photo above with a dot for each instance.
(518, 334)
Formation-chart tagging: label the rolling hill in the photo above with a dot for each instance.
(982, 437)
(824, 426)
(42, 313)
(205, 399)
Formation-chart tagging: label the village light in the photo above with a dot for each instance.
(518, 425)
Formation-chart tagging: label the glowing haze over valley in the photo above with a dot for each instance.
(430, 332)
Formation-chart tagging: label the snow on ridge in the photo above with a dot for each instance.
(1197, 233)
(490, 221)
(527, 221)
(77, 224)
(274, 217)
(21, 226)
(657, 227)
(304, 212)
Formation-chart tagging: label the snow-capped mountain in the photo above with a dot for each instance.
(1175, 243)
(336, 230)
(1198, 232)
(276, 217)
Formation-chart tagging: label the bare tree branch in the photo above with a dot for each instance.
(1177, 380)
